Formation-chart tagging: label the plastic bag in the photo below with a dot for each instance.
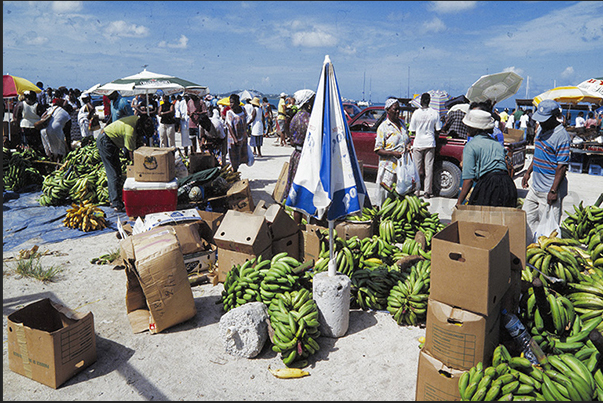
(408, 179)
(547, 224)
(250, 156)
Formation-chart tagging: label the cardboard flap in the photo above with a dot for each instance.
(139, 320)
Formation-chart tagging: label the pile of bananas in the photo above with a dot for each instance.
(83, 170)
(371, 288)
(231, 176)
(282, 276)
(595, 248)
(294, 319)
(514, 378)
(410, 247)
(85, 217)
(366, 214)
(407, 300)
(579, 225)
(552, 256)
(18, 170)
(242, 283)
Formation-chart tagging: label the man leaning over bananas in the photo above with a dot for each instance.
(129, 132)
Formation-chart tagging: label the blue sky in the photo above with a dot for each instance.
(280, 46)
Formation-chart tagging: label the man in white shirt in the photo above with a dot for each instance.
(523, 124)
(425, 124)
(580, 121)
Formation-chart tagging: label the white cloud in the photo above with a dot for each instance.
(348, 50)
(514, 69)
(313, 39)
(568, 72)
(123, 29)
(62, 7)
(555, 32)
(36, 41)
(435, 25)
(180, 43)
(445, 7)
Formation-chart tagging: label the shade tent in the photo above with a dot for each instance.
(147, 82)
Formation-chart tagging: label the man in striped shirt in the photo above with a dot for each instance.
(549, 165)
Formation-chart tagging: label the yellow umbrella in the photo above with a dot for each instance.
(226, 102)
(568, 95)
(13, 86)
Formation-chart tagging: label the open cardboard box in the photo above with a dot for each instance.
(49, 342)
(243, 232)
(458, 338)
(436, 381)
(229, 258)
(158, 294)
(471, 266)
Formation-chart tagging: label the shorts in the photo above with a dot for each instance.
(193, 132)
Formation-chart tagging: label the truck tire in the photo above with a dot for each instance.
(446, 179)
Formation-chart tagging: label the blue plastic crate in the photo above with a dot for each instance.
(594, 169)
(575, 167)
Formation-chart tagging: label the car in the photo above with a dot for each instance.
(351, 110)
(449, 151)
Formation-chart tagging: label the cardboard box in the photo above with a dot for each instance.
(201, 162)
(310, 242)
(349, 229)
(281, 183)
(130, 171)
(154, 164)
(171, 217)
(279, 221)
(243, 232)
(513, 135)
(50, 343)
(228, 258)
(436, 381)
(515, 220)
(202, 260)
(459, 338)
(158, 293)
(288, 244)
(142, 198)
(239, 196)
(212, 221)
(470, 266)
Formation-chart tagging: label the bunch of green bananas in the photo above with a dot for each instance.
(83, 189)
(595, 248)
(546, 309)
(376, 247)
(579, 225)
(242, 283)
(366, 214)
(561, 258)
(391, 231)
(569, 379)
(370, 288)
(411, 247)
(407, 300)
(294, 319)
(587, 296)
(283, 275)
(18, 170)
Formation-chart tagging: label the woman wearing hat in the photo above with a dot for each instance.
(484, 163)
(391, 141)
(257, 127)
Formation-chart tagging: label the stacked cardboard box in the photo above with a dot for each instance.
(285, 231)
(151, 186)
(470, 275)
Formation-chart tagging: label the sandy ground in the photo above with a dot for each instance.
(375, 360)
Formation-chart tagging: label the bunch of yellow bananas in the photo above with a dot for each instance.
(86, 217)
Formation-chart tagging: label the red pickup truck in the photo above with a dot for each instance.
(449, 151)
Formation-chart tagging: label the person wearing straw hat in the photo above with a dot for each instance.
(281, 119)
(257, 127)
(484, 163)
(549, 165)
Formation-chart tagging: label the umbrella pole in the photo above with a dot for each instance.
(332, 262)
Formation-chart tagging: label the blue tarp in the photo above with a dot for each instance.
(25, 221)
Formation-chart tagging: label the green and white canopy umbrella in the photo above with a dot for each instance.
(147, 82)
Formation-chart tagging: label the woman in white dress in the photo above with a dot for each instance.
(53, 135)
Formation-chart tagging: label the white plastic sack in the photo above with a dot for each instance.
(250, 156)
(408, 179)
(547, 224)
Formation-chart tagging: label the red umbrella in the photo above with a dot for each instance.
(13, 86)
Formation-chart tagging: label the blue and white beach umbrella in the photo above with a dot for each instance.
(328, 181)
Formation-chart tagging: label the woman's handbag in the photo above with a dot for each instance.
(408, 179)
(44, 120)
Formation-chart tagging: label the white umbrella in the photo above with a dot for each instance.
(495, 87)
(330, 183)
(594, 85)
